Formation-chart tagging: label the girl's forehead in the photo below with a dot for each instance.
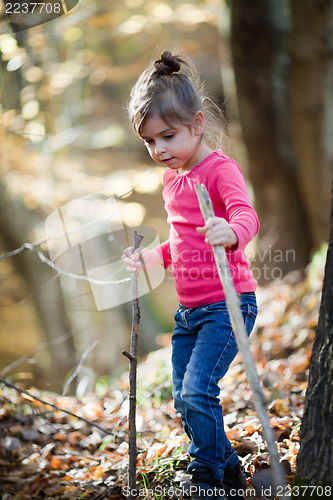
(155, 125)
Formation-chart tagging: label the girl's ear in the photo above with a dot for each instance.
(198, 123)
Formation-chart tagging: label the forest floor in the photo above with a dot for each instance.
(47, 453)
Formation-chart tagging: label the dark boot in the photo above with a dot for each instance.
(234, 483)
(204, 487)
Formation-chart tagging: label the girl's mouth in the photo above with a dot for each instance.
(167, 161)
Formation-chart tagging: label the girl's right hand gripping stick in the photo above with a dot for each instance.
(277, 475)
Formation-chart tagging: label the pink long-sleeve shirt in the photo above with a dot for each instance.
(193, 266)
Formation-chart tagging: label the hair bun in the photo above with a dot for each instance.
(167, 65)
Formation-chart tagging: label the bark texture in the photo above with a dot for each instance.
(315, 459)
(311, 102)
(258, 38)
(16, 226)
(282, 54)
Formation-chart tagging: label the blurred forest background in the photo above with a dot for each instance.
(64, 135)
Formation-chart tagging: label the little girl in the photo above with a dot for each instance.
(167, 110)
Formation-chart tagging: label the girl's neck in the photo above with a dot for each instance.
(202, 151)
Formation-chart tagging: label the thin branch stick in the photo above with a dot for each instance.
(162, 385)
(132, 356)
(41, 256)
(55, 407)
(26, 246)
(50, 281)
(243, 343)
(79, 367)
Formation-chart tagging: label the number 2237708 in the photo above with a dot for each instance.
(307, 491)
(33, 7)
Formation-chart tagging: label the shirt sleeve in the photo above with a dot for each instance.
(165, 253)
(241, 216)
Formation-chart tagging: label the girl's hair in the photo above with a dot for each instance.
(171, 89)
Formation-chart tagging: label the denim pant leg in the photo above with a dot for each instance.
(183, 342)
(203, 348)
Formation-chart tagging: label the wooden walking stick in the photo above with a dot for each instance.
(238, 326)
(132, 356)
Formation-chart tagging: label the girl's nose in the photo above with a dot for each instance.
(159, 147)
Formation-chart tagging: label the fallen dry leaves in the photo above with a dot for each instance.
(50, 454)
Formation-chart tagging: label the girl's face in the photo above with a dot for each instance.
(178, 147)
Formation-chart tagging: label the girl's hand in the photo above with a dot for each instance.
(218, 232)
(135, 259)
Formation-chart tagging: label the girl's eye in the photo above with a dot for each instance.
(168, 136)
(149, 141)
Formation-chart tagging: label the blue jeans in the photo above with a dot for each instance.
(203, 346)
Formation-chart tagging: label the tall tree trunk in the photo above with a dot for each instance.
(311, 101)
(259, 34)
(315, 459)
(16, 226)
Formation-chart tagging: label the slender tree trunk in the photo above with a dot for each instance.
(315, 459)
(259, 34)
(16, 226)
(311, 101)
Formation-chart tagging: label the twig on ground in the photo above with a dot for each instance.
(55, 407)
